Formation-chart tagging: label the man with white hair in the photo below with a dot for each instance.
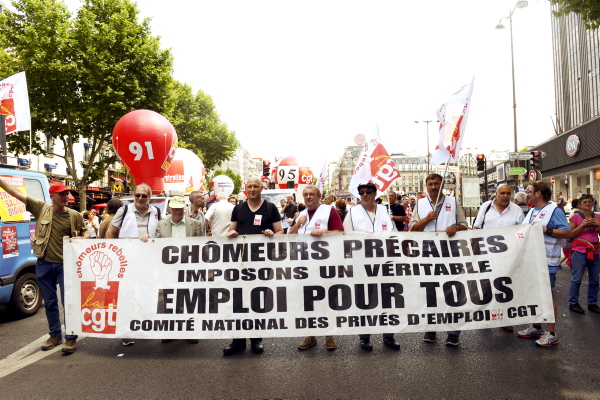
(176, 225)
(315, 220)
(520, 200)
(136, 220)
(219, 215)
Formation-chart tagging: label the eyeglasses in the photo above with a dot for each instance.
(365, 192)
(143, 196)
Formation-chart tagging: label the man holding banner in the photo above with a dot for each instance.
(253, 217)
(370, 217)
(317, 219)
(556, 227)
(55, 221)
(444, 216)
(499, 212)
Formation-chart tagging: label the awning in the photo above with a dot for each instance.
(114, 178)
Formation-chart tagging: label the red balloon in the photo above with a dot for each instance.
(286, 170)
(145, 142)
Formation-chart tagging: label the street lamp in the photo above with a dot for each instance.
(427, 122)
(520, 4)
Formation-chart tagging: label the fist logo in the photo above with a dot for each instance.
(101, 265)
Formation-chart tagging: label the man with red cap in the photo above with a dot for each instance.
(54, 221)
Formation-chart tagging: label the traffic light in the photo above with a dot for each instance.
(480, 162)
(266, 168)
(536, 160)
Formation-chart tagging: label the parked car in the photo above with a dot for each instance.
(19, 289)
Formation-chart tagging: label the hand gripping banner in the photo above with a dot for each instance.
(296, 285)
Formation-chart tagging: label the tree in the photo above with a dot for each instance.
(237, 180)
(199, 127)
(589, 10)
(84, 74)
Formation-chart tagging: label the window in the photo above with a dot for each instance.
(50, 141)
(86, 152)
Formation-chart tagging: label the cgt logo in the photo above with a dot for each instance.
(383, 169)
(99, 298)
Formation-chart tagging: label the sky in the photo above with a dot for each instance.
(303, 78)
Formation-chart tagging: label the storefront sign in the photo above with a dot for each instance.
(573, 145)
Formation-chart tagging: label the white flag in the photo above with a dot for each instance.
(453, 122)
(374, 165)
(14, 103)
(321, 181)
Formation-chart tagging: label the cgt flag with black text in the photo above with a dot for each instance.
(296, 285)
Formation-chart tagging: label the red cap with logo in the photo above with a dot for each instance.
(58, 188)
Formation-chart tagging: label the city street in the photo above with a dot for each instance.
(488, 364)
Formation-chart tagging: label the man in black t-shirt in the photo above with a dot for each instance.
(253, 217)
(398, 214)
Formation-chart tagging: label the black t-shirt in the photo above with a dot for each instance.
(253, 223)
(398, 211)
(291, 210)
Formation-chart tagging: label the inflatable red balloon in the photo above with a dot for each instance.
(286, 171)
(145, 142)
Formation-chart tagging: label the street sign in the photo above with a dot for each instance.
(552, 180)
(524, 156)
(517, 171)
(519, 156)
(532, 176)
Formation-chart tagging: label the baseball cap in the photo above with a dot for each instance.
(58, 188)
(177, 202)
(369, 185)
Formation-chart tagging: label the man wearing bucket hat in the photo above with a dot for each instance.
(371, 217)
(54, 221)
(176, 225)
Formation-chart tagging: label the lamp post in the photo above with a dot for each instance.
(520, 4)
(427, 122)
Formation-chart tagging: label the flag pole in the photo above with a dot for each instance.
(443, 180)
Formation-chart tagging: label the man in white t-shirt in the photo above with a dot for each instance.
(219, 215)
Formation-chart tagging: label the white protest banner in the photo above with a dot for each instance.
(297, 285)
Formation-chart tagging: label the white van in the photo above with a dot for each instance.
(276, 195)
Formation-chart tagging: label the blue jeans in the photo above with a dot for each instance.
(579, 262)
(48, 275)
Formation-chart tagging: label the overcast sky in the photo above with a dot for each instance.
(304, 77)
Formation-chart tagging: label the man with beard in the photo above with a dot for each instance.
(556, 227)
(438, 215)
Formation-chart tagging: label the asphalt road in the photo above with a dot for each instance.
(490, 364)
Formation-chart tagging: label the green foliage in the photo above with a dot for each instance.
(83, 74)
(589, 10)
(199, 127)
(237, 180)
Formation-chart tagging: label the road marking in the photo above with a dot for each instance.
(26, 356)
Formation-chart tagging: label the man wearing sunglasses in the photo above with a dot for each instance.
(53, 223)
(136, 220)
(443, 216)
(370, 217)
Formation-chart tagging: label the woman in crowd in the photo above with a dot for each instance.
(91, 223)
(340, 206)
(584, 225)
(408, 210)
